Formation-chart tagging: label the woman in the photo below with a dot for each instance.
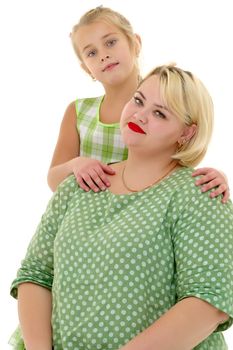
(146, 264)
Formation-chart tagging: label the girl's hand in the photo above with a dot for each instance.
(91, 174)
(212, 178)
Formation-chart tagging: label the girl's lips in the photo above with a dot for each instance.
(110, 66)
(135, 128)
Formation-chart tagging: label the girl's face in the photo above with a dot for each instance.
(106, 53)
(147, 124)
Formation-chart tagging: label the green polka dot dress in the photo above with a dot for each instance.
(116, 263)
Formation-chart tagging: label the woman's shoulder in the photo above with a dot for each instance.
(68, 187)
(187, 193)
(181, 180)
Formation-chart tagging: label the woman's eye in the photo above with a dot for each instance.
(138, 101)
(111, 42)
(159, 114)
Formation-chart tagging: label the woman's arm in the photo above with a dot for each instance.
(34, 308)
(182, 327)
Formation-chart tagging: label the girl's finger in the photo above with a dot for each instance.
(88, 180)
(103, 177)
(226, 195)
(200, 171)
(210, 185)
(107, 169)
(81, 183)
(205, 179)
(98, 177)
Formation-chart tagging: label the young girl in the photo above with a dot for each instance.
(89, 137)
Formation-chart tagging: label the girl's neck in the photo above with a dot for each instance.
(122, 92)
(116, 96)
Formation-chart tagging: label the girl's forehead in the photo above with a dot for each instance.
(90, 34)
(98, 27)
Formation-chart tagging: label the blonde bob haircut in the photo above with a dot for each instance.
(108, 16)
(187, 98)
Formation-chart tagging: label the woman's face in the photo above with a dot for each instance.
(147, 123)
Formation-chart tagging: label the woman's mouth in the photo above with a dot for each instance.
(135, 128)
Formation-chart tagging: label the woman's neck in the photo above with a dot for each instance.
(137, 173)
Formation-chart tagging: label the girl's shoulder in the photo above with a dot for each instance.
(87, 108)
(88, 102)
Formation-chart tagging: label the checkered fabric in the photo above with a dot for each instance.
(98, 140)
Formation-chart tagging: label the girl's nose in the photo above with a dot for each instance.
(106, 57)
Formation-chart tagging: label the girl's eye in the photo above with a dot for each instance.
(138, 101)
(111, 42)
(159, 114)
(91, 53)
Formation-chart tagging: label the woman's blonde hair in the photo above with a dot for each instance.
(109, 16)
(189, 100)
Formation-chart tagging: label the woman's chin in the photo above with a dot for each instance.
(132, 138)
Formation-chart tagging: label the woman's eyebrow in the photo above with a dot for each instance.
(155, 104)
(139, 92)
(162, 107)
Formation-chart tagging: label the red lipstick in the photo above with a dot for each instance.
(135, 128)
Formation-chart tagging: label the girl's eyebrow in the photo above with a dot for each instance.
(102, 38)
(155, 104)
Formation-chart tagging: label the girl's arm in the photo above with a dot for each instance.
(89, 173)
(67, 148)
(34, 308)
(213, 178)
(182, 327)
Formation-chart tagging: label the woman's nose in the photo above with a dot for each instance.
(104, 58)
(141, 117)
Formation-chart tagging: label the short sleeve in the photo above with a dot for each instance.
(37, 266)
(203, 248)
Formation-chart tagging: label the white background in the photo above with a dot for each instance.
(40, 75)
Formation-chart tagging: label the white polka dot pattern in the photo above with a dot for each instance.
(116, 263)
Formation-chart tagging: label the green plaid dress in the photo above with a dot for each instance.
(98, 140)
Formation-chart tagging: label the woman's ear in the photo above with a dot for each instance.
(138, 44)
(188, 133)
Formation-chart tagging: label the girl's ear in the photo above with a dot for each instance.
(84, 67)
(138, 44)
(188, 133)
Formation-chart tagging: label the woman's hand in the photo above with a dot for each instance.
(213, 178)
(91, 173)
